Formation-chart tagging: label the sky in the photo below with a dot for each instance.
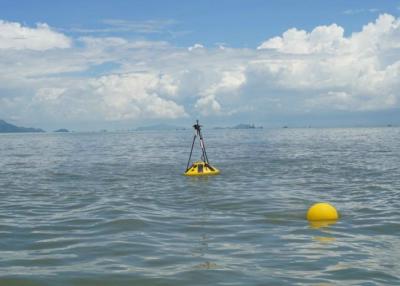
(89, 65)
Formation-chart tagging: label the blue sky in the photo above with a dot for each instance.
(238, 23)
(119, 64)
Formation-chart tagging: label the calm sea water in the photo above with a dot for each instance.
(114, 208)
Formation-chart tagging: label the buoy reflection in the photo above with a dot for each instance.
(322, 223)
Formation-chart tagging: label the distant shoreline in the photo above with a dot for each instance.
(6, 127)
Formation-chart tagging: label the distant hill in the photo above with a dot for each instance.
(241, 126)
(246, 126)
(61, 130)
(6, 127)
(159, 127)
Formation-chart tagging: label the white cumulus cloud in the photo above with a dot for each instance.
(130, 96)
(196, 46)
(49, 94)
(15, 36)
(208, 105)
(326, 39)
(347, 73)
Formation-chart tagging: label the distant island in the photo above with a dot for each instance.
(6, 127)
(241, 126)
(246, 126)
(61, 130)
(159, 127)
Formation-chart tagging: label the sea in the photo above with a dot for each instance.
(113, 208)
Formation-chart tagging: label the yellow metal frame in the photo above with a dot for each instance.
(204, 170)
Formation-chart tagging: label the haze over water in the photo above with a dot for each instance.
(114, 208)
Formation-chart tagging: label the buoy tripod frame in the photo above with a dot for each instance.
(203, 167)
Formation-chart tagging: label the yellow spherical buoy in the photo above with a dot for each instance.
(322, 212)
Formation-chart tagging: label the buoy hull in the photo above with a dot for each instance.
(322, 212)
(201, 168)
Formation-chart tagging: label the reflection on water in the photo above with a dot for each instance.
(206, 265)
(324, 239)
(201, 250)
(321, 223)
(323, 226)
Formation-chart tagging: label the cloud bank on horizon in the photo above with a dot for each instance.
(50, 76)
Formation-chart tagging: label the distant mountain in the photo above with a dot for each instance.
(241, 126)
(6, 127)
(246, 126)
(159, 127)
(62, 130)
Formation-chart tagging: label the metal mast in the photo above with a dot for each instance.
(197, 128)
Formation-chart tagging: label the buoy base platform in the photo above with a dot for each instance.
(201, 168)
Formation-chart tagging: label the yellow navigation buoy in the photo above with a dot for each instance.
(201, 168)
(322, 212)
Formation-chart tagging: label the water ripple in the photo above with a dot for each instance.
(114, 209)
